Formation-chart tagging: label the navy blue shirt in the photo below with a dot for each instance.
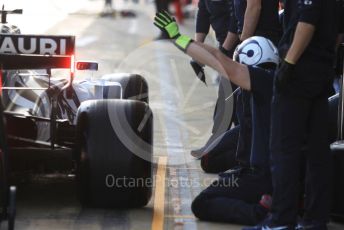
(261, 91)
(321, 14)
(214, 13)
(268, 25)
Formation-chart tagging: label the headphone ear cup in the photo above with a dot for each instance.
(256, 51)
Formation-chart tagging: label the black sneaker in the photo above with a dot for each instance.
(311, 225)
(268, 225)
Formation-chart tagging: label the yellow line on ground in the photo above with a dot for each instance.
(159, 196)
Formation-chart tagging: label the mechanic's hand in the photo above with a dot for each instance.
(284, 74)
(199, 70)
(167, 24)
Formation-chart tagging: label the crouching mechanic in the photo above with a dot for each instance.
(236, 197)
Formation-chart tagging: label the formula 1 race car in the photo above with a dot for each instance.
(101, 129)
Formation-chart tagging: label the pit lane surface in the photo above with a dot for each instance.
(182, 110)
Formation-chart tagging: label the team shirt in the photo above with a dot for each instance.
(268, 24)
(215, 14)
(261, 96)
(321, 14)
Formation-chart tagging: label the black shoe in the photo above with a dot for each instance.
(268, 225)
(311, 225)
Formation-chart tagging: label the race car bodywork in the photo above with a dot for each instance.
(50, 116)
(32, 92)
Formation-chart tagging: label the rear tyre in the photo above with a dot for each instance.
(134, 86)
(111, 173)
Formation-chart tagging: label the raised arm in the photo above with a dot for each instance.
(235, 71)
(204, 53)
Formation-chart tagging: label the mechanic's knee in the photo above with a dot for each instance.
(199, 206)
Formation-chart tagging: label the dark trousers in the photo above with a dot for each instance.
(222, 156)
(225, 201)
(299, 115)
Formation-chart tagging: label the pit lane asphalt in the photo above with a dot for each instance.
(182, 110)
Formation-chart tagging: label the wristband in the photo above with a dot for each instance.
(182, 42)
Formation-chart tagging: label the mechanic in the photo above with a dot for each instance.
(253, 17)
(220, 158)
(220, 202)
(245, 204)
(217, 15)
(299, 109)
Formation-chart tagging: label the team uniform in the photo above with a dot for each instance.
(268, 24)
(215, 14)
(239, 204)
(298, 115)
(268, 27)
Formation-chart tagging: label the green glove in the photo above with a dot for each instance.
(167, 24)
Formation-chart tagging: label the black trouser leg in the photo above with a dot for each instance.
(318, 175)
(288, 127)
(222, 209)
(233, 200)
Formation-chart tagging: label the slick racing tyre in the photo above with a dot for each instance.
(134, 86)
(110, 172)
